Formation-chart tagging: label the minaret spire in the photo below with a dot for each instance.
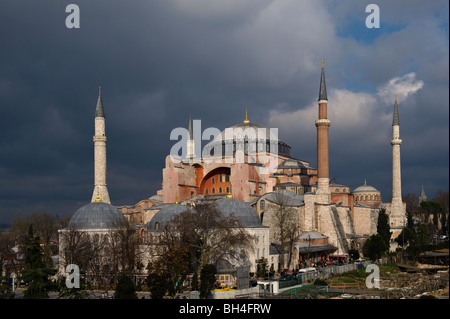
(423, 196)
(191, 135)
(323, 87)
(99, 112)
(100, 188)
(395, 120)
(190, 142)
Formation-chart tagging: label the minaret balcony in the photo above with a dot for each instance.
(322, 122)
(97, 138)
(396, 141)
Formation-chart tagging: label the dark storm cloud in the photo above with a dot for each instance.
(160, 61)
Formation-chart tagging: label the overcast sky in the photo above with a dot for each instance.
(159, 61)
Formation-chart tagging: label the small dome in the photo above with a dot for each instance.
(97, 215)
(365, 188)
(165, 215)
(242, 211)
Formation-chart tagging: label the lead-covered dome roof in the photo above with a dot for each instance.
(365, 188)
(240, 210)
(165, 215)
(262, 138)
(97, 215)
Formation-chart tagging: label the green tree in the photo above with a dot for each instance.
(261, 267)
(374, 247)
(36, 273)
(5, 288)
(383, 228)
(71, 293)
(194, 283)
(407, 236)
(125, 288)
(157, 285)
(207, 280)
(354, 254)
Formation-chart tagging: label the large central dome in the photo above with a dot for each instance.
(250, 137)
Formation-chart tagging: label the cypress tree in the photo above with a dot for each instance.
(383, 228)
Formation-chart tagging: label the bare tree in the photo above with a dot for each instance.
(202, 235)
(285, 226)
(123, 247)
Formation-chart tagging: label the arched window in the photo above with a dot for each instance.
(213, 190)
(206, 191)
(213, 180)
(228, 189)
(220, 190)
(157, 226)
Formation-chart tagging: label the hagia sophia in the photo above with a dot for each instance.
(331, 218)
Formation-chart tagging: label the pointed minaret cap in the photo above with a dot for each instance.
(395, 120)
(191, 135)
(99, 112)
(323, 87)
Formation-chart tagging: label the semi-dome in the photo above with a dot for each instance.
(240, 210)
(165, 215)
(97, 215)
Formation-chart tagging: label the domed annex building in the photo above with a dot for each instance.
(246, 219)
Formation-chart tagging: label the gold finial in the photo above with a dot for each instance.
(229, 192)
(323, 60)
(365, 183)
(99, 90)
(98, 199)
(246, 121)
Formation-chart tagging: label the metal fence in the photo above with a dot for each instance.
(321, 273)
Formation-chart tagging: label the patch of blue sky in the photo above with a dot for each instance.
(357, 30)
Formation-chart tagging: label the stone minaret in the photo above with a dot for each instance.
(397, 213)
(323, 125)
(100, 190)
